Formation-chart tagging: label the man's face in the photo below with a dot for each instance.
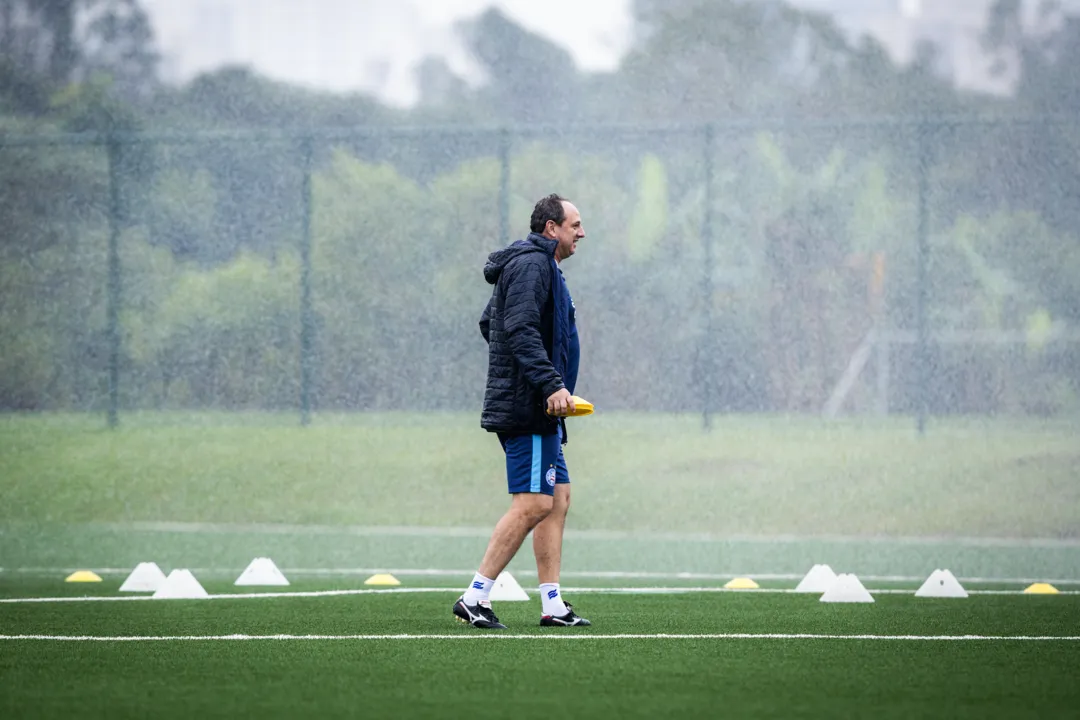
(568, 234)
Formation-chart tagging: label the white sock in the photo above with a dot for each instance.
(479, 590)
(552, 600)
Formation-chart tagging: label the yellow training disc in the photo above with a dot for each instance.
(83, 576)
(382, 579)
(1041, 589)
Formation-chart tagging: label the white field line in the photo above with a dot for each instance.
(550, 636)
(587, 574)
(407, 590)
(618, 535)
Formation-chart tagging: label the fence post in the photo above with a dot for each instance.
(708, 350)
(113, 151)
(307, 319)
(921, 322)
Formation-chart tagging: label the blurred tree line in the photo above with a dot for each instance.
(804, 218)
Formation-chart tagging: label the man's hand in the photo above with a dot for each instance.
(560, 403)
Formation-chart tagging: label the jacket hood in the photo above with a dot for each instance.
(501, 258)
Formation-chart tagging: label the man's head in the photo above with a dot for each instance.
(556, 217)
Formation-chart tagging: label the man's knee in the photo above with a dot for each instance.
(561, 501)
(532, 507)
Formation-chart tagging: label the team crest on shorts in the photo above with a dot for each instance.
(551, 477)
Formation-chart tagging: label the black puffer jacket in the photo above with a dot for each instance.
(526, 341)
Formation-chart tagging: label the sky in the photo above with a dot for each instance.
(375, 46)
(369, 45)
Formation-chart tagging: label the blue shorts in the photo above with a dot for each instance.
(534, 463)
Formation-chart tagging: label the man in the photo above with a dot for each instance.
(530, 327)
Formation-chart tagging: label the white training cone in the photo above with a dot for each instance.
(261, 571)
(941, 584)
(507, 588)
(818, 580)
(847, 589)
(146, 577)
(180, 585)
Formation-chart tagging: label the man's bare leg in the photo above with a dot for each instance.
(526, 511)
(548, 536)
(547, 546)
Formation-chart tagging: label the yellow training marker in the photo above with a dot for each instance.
(382, 579)
(742, 584)
(82, 576)
(1041, 589)
(582, 407)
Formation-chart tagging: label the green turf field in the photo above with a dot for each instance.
(749, 475)
(659, 506)
(355, 662)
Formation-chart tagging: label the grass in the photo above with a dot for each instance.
(654, 473)
(522, 678)
(651, 493)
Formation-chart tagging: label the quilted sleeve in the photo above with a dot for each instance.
(528, 286)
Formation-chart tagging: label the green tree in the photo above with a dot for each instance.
(529, 79)
(66, 41)
(226, 337)
(373, 266)
(119, 43)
